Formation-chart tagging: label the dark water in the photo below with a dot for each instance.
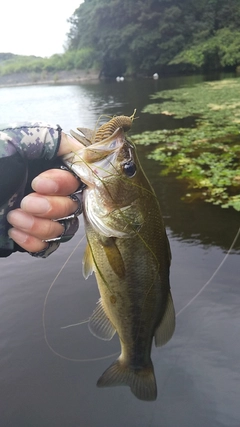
(198, 372)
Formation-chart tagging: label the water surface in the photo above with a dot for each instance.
(197, 372)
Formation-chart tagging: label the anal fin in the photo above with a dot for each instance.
(100, 325)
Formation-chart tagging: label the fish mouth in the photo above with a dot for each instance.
(98, 151)
(97, 161)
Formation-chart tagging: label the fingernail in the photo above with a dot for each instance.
(20, 219)
(44, 185)
(17, 235)
(35, 205)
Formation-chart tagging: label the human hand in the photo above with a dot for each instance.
(32, 222)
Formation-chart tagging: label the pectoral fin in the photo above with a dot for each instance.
(169, 250)
(165, 330)
(99, 324)
(114, 256)
(87, 263)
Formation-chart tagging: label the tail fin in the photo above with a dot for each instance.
(141, 381)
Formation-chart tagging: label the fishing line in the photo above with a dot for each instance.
(195, 297)
(213, 275)
(64, 327)
(86, 320)
(76, 324)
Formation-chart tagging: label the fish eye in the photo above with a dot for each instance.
(129, 168)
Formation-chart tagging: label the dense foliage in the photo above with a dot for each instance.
(145, 36)
(140, 37)
(207, 154)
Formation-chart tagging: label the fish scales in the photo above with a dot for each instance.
(129, 253)
(139, 307)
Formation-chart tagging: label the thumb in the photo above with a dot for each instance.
(68, 144)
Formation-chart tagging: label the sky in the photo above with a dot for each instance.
(29, 27)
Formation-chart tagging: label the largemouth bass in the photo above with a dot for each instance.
(128, 250)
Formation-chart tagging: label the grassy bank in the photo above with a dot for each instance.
(30, 78)
(67, 67)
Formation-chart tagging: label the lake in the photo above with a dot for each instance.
(197, 372)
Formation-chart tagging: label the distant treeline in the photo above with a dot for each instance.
(140, 37)
(80, 59)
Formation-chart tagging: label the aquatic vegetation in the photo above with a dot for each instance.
(207, 155)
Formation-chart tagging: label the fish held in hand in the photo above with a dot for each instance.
(128, 250)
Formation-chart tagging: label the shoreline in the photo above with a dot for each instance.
(47, 78)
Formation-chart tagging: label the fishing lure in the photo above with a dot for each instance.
(105, 131)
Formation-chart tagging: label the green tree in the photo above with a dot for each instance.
(145, 36)
(142, 36)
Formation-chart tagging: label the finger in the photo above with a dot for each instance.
(55, 182)
(40, 228)
(26, 241)
(50, 207)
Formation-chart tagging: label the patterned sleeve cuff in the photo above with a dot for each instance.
(32, 140)
(52, 247)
